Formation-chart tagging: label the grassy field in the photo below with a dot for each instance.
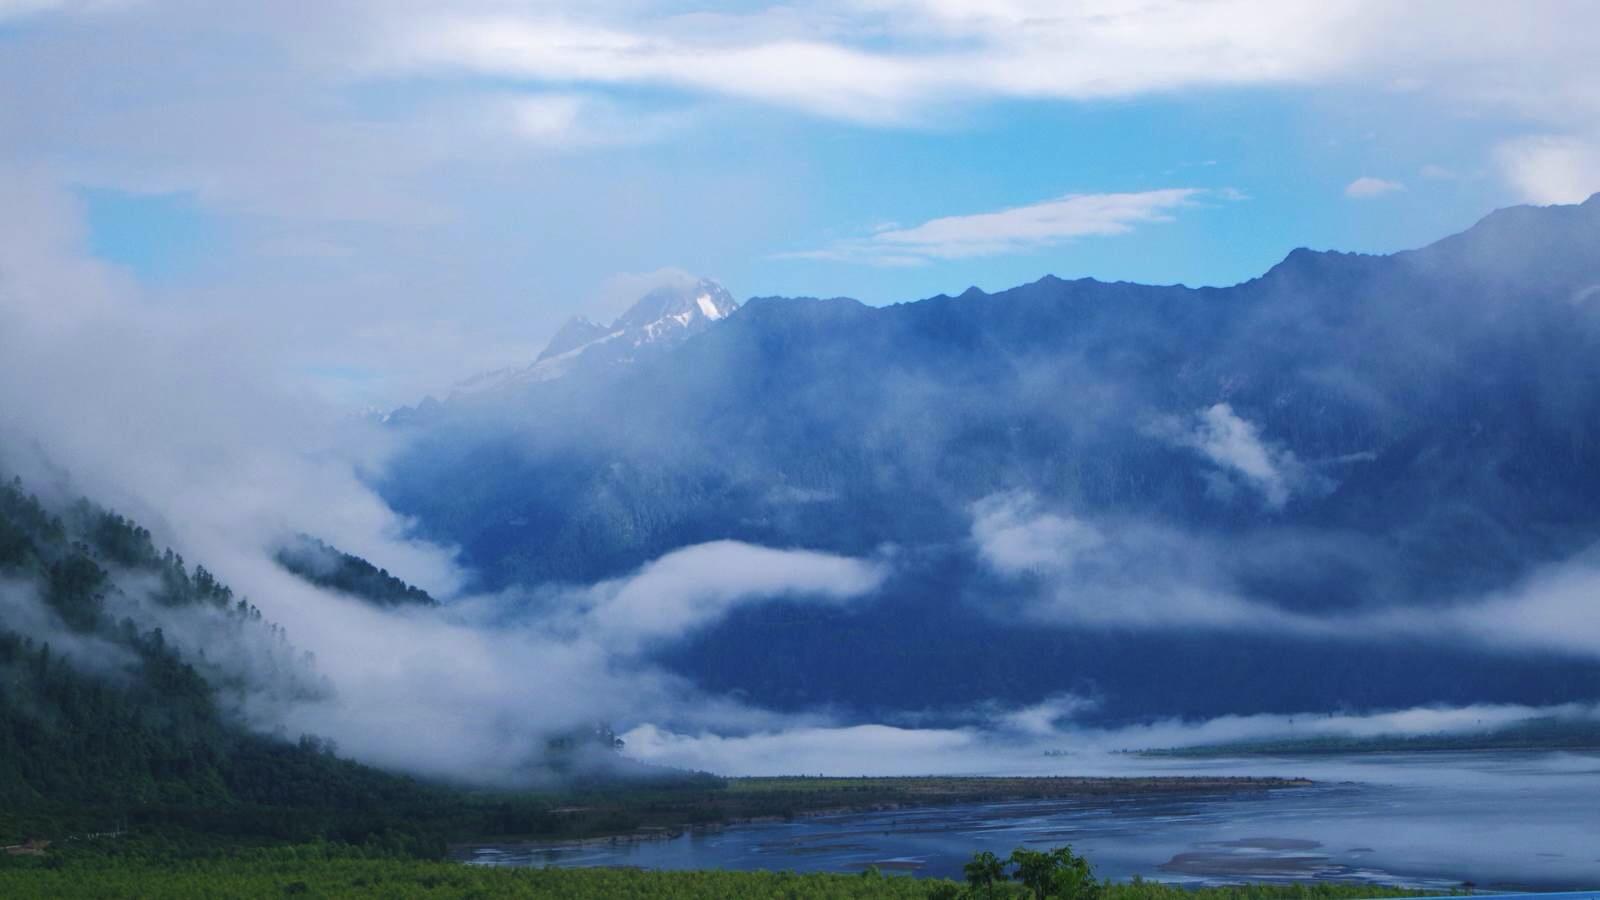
(310, 872)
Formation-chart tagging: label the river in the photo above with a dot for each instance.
(1496, 819)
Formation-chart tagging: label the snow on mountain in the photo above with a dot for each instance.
(673, 312)
(578, 332)
(656, 322)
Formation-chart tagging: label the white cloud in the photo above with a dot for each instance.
(1015, 536)
(1045, 717)
(1367, 186)
(1236, 445)
(157, 412)
(806, 57)
(1015, 230)
(1553, 610)
(1552, 169)
(818, 77)
(889, 61)
(1120, 573)
(691, 587)
(992, 749)
(832, 750)
(1113, 574)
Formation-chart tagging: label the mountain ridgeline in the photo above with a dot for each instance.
(1346, 433)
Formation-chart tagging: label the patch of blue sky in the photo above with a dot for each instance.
(158, 237)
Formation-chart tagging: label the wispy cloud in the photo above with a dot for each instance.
(924, 53)
(826, 78)
(1018, 229)
(694, 586)
(1367, 186)
(996, 748)
(1112, 573)
(1237, 447)
(1127, 573)
(1014, 535)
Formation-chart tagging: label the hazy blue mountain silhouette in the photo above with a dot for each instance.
(1440, 406)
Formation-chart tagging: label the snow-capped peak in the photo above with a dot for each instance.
(658, 321)
(681, 305)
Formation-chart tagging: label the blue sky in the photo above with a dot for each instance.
(397, 195)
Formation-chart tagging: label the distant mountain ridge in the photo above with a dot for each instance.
(578, 332)
(1425, 427)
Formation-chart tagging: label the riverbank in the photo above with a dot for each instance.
(622, 817)
(1509, 820)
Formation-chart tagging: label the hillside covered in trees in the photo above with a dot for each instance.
(123, 675)
(106, 722)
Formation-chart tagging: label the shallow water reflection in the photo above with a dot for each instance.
(1428, 820)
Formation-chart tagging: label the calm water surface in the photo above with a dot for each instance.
(1428, 820)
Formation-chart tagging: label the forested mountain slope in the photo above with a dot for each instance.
(105, 722)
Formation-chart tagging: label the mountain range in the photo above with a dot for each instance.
(1347, 438)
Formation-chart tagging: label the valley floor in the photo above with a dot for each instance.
(654, 814)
